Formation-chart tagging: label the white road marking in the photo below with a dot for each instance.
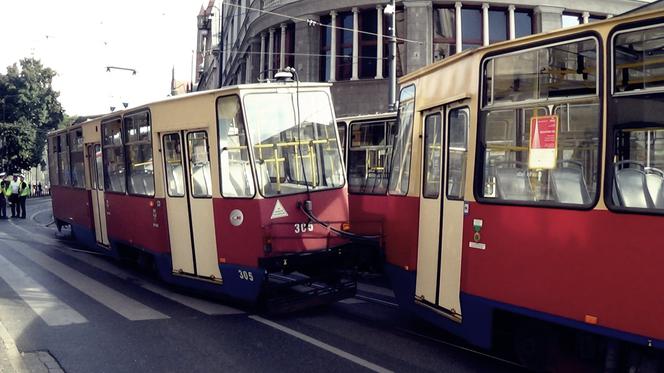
(376, 300)
(206, 307)
(52, 310)
(14, 356)
(348, 356)
(116, 301)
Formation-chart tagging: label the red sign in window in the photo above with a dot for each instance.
(543, 142)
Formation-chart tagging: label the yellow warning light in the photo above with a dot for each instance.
(590, 319)
(151, 203)
(222, 260)
(345, 227)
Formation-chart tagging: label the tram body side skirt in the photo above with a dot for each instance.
(478, 312)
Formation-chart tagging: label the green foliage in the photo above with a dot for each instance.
(17, 141)
(28, 99)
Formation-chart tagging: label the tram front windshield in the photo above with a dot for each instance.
(291, 158)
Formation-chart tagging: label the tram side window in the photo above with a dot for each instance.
(199, 164)
(53, 144)
(400, 167)
(635, 121)
(64, 169)
(638, 64)
(432, 153)
(237, 180)
(457, 152)
(368, 158)
(541, 137)
(138, 150)
(114, 157)
(77, 159)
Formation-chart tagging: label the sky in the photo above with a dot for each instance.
(78, 39)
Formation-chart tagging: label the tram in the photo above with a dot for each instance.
(366, 146)
(223, 191)
(528, 193)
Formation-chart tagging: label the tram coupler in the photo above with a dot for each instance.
(289, 293)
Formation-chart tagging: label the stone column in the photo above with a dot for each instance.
(379, 42)
(485, 24)
(270, 52)
(586, 17)
(333, 49)
(459, 36)
(261, 74)
(356, 44)
(548, 18)
(512, 25)
(419, 23)
(282, 47)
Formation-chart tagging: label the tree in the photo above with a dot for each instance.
(17, 141)
(28, 99)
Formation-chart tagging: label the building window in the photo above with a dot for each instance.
(368, 43)
(344, 46)
(571, 19)
(276, 50)
(523, 23)
(325, 48)
(471, 27)
(444, 33)
(498, 26)
(290, 45)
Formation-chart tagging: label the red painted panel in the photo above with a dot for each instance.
(244, 244)
(397, 218)
(570, 263)
(139, 221)
(72, 205)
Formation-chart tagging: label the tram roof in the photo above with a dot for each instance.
(628, 17)
(193, 95)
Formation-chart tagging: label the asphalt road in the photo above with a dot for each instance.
(94, 315)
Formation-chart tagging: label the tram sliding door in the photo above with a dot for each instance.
(442, 209)
(189, 203)
(97, 193)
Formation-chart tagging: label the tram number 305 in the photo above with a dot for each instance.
(303, 227)
(245, 275)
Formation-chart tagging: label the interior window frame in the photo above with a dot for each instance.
(349, 148)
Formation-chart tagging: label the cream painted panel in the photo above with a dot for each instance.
(180, 236)
(427, 250)
(204, 237)
(450, 272)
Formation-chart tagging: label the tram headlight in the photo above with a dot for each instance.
(345, 227)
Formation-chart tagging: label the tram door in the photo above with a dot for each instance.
(97, 193)
(189, 203)
(445, 133)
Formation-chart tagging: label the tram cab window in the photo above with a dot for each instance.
(114, 157)
(293, 155)
(635, 121)
(64, 169)
(540, 126)
(368, 157)
(76, 158)
(403, 143)
(237, 180)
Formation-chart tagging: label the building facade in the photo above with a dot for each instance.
(259, 37)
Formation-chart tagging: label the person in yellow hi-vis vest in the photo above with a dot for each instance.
(3, 196)
(24, 192)
(13, 195)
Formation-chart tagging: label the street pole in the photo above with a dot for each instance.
(392, 99)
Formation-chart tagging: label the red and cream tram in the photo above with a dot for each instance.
(212, 189)
(533, 187)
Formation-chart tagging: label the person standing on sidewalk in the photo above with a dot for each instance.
(3, 199)
(14, 186)
(24, 192)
